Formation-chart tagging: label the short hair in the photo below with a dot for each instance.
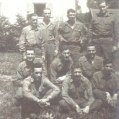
(37, 65)
(70, 10)
(107, 61)
(47, 9)
(63, 49)
(31, 15)
(75, 66)
(29, 48)
(101, 1)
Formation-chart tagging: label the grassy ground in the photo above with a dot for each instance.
(8, 65)
(9, 62)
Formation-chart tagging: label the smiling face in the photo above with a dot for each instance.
(91, 51)
(47, 14)
(30, 55)
(103, 7)
(71, 16)
(77, 73)
(108, 67)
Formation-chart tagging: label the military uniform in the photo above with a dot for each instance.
(72, 38)
(60, 68)
(24, 70)
(31, 37)
(103, 34)
(50, 41)
(79, 93)
(105, 83)
(32, 91)
(89, 68)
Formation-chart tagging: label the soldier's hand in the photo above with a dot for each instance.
(78, 110)
(108, 97)
(114, 49)
(114, 100)
(56, 52)
(86, 109)
(45, 102)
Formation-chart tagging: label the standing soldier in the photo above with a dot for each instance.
(72, 35)
(49, 32)
(30, 37)
(103, 31)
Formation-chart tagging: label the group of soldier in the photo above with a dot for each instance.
(68, 66)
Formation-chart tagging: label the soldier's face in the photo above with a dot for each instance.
(37, 73)
(47, 14)
(30, 55)
(71, 16)
(66, 54)
(77, 73)
(108, 67)
(103, 7)
(34, 20)
(91, 51)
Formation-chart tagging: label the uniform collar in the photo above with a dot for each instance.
(103, 15)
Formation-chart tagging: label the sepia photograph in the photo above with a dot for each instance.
(59, 59)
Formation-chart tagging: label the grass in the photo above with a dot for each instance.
(8, 65)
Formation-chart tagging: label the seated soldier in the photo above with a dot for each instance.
(61, 66)
(90, 63)
(106, 86)
(77, 94)
(38, 92)
(25, 68)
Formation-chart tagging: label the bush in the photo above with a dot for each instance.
(10, 33)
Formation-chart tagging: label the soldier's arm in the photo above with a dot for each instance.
(65, 95)
(27, 93)
(53, 72)
(22, 41)
(90, 93)
(55, 90)
(97, 91)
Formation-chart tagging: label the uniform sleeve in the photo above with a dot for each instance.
(116, 31)
(90, 93)
(98, 93)
(65, 95)
(53, 72)
(41, 42)
(70, 66)
(22, 41)
(55, 89)
(19, 73)
(27, 93)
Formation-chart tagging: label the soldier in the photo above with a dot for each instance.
(103, 31)
(72, 35)
(31, 37)
(38, 92)
(61, 66)
(77, 94)
(25, 68)
(106, 87)
(90, 63)
(49, 31)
